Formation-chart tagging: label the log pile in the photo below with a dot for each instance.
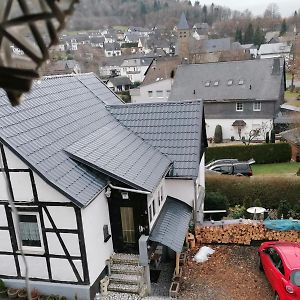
(241, 234)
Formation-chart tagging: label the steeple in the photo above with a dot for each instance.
(183, 24)
(183, 35)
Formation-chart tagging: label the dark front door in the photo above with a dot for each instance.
(127, 217)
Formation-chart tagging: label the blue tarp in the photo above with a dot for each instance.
(282, 225)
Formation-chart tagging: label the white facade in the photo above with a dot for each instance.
(232, 131)
(134, 69)
(58, 222)
(94, 217)
(156, 92)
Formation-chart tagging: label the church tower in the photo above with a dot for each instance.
(183, 35)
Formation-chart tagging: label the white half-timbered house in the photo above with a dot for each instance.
(87, 181)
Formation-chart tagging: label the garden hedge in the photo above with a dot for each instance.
(262, 153)
(248, 191)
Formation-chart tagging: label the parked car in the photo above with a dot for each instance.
(232, 167)
(221, 161)
(281, 263)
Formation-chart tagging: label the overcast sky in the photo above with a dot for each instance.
(257, 7)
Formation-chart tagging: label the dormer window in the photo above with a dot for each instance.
(241, 82)
(216, 83)
(207, 83)
(230, 82)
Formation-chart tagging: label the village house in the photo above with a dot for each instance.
(156, 86)
(119, 83)
(112, 49)
(111, 67)
(134, 67)
(241, 96)
(91, 176)
(274, 50)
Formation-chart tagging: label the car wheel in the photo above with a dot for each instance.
(276, 297)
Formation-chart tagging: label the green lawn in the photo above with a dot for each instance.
(276, 169)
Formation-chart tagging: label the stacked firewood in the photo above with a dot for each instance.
(241, 234)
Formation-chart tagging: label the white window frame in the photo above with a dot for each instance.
(237, 106)
(31, 249)
(257, 108)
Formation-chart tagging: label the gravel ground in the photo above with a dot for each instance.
(230, 274)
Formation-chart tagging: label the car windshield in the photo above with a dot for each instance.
(295, 277)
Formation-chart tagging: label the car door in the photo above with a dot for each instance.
(267, 263)
(274, 269)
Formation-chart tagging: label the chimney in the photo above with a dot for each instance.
(276, 66)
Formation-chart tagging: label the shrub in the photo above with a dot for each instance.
(215, 201)
(236, 212)
(262, 153)
(273, 136)
(283, 209)
(2, 285)
(267, 138)
(244, 191)
(218, 134)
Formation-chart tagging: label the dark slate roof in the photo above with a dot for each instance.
(176, 129)
(251, 79)
(214, 45)
(172, 224)
(120, 80)
(65, 112)
(112, 46)
(118, 152)
(182, 24)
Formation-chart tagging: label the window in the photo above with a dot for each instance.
(241, 82)
(161, 194)
(30, 231)
(216, 83)
(106, 233)
(153, 207)
(276, 260)
(257, 106)
(150, 94)
(150, 212)
(239, 106)
(168, 92)
(158, 197)
(295, 277)
(159, 94)
(230, 82)
(207, 83)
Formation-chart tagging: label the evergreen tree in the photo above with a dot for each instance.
(238, 35)
(143, 8)
(283, 27)
(249, 34)
(259, 37)
(204, 12)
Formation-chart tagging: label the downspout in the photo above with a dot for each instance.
(128, 190)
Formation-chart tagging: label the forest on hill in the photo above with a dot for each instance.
(94, 14)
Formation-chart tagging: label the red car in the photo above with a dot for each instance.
(281, 263)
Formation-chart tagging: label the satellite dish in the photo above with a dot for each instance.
(256, 210)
